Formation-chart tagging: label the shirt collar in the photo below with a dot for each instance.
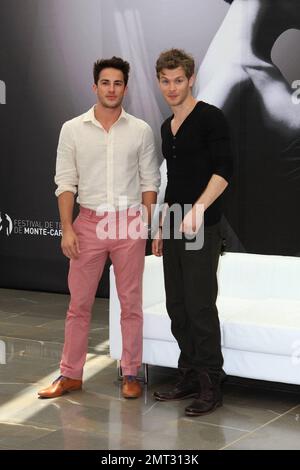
(90, 116)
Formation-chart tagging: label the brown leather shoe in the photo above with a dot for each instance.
(131, 388)
(210, 397)
(60, 386)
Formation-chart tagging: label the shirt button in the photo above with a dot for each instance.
(174, 156)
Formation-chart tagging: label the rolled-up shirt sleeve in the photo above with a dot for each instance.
(66, 176)
(148, 163)
(219, 142)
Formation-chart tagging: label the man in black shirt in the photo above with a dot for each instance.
(196, 145)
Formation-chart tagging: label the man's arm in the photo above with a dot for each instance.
(69, 241)
(194, 218)
(157, 243)
(216, 186)
(218, 140)
(66, 178)
(149, 175)
(149, 199)
(66, 206)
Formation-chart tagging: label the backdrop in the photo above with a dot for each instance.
(247, 64)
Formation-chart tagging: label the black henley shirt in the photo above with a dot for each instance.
(200, 148)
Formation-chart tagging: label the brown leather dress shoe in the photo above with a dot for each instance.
(209, 399)
(179, 392)
(60, 386)
(131, 388)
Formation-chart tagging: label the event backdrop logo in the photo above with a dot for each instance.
(296, 94)
(2, 92)
(6, 225)
(28, 227)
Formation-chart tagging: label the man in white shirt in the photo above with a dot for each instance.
(108, 157)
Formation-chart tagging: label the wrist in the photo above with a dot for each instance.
(148, 228)
(199, 205)
(66, 227)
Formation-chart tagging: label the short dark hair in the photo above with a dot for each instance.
(174, 58)
(114, 63)
(228, 1)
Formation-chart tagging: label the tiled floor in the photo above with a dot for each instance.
(31, 329)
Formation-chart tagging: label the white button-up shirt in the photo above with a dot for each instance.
(107, 169)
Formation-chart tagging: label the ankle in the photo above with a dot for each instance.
(130, 378)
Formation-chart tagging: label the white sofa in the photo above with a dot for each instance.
(259, 309)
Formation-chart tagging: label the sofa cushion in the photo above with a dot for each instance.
(269, 326)
(251, 276)
(157, 324)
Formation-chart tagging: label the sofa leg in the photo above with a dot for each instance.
(145, 368)
(145, 371)
(120, 373)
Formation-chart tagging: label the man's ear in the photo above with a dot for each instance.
(94, 88)
(192, 80)
(125, 90)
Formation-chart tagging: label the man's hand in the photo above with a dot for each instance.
(192, 220)
(70, 244)
(157, 244)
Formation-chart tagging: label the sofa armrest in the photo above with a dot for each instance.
(153, 281)
(153, 292)
(153, 284)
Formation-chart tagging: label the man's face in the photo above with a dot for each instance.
(110, 89)
(175, 86)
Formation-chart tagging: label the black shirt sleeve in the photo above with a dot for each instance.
(162, 133)
(218, 139)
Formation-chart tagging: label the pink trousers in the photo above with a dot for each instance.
(127, 254)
